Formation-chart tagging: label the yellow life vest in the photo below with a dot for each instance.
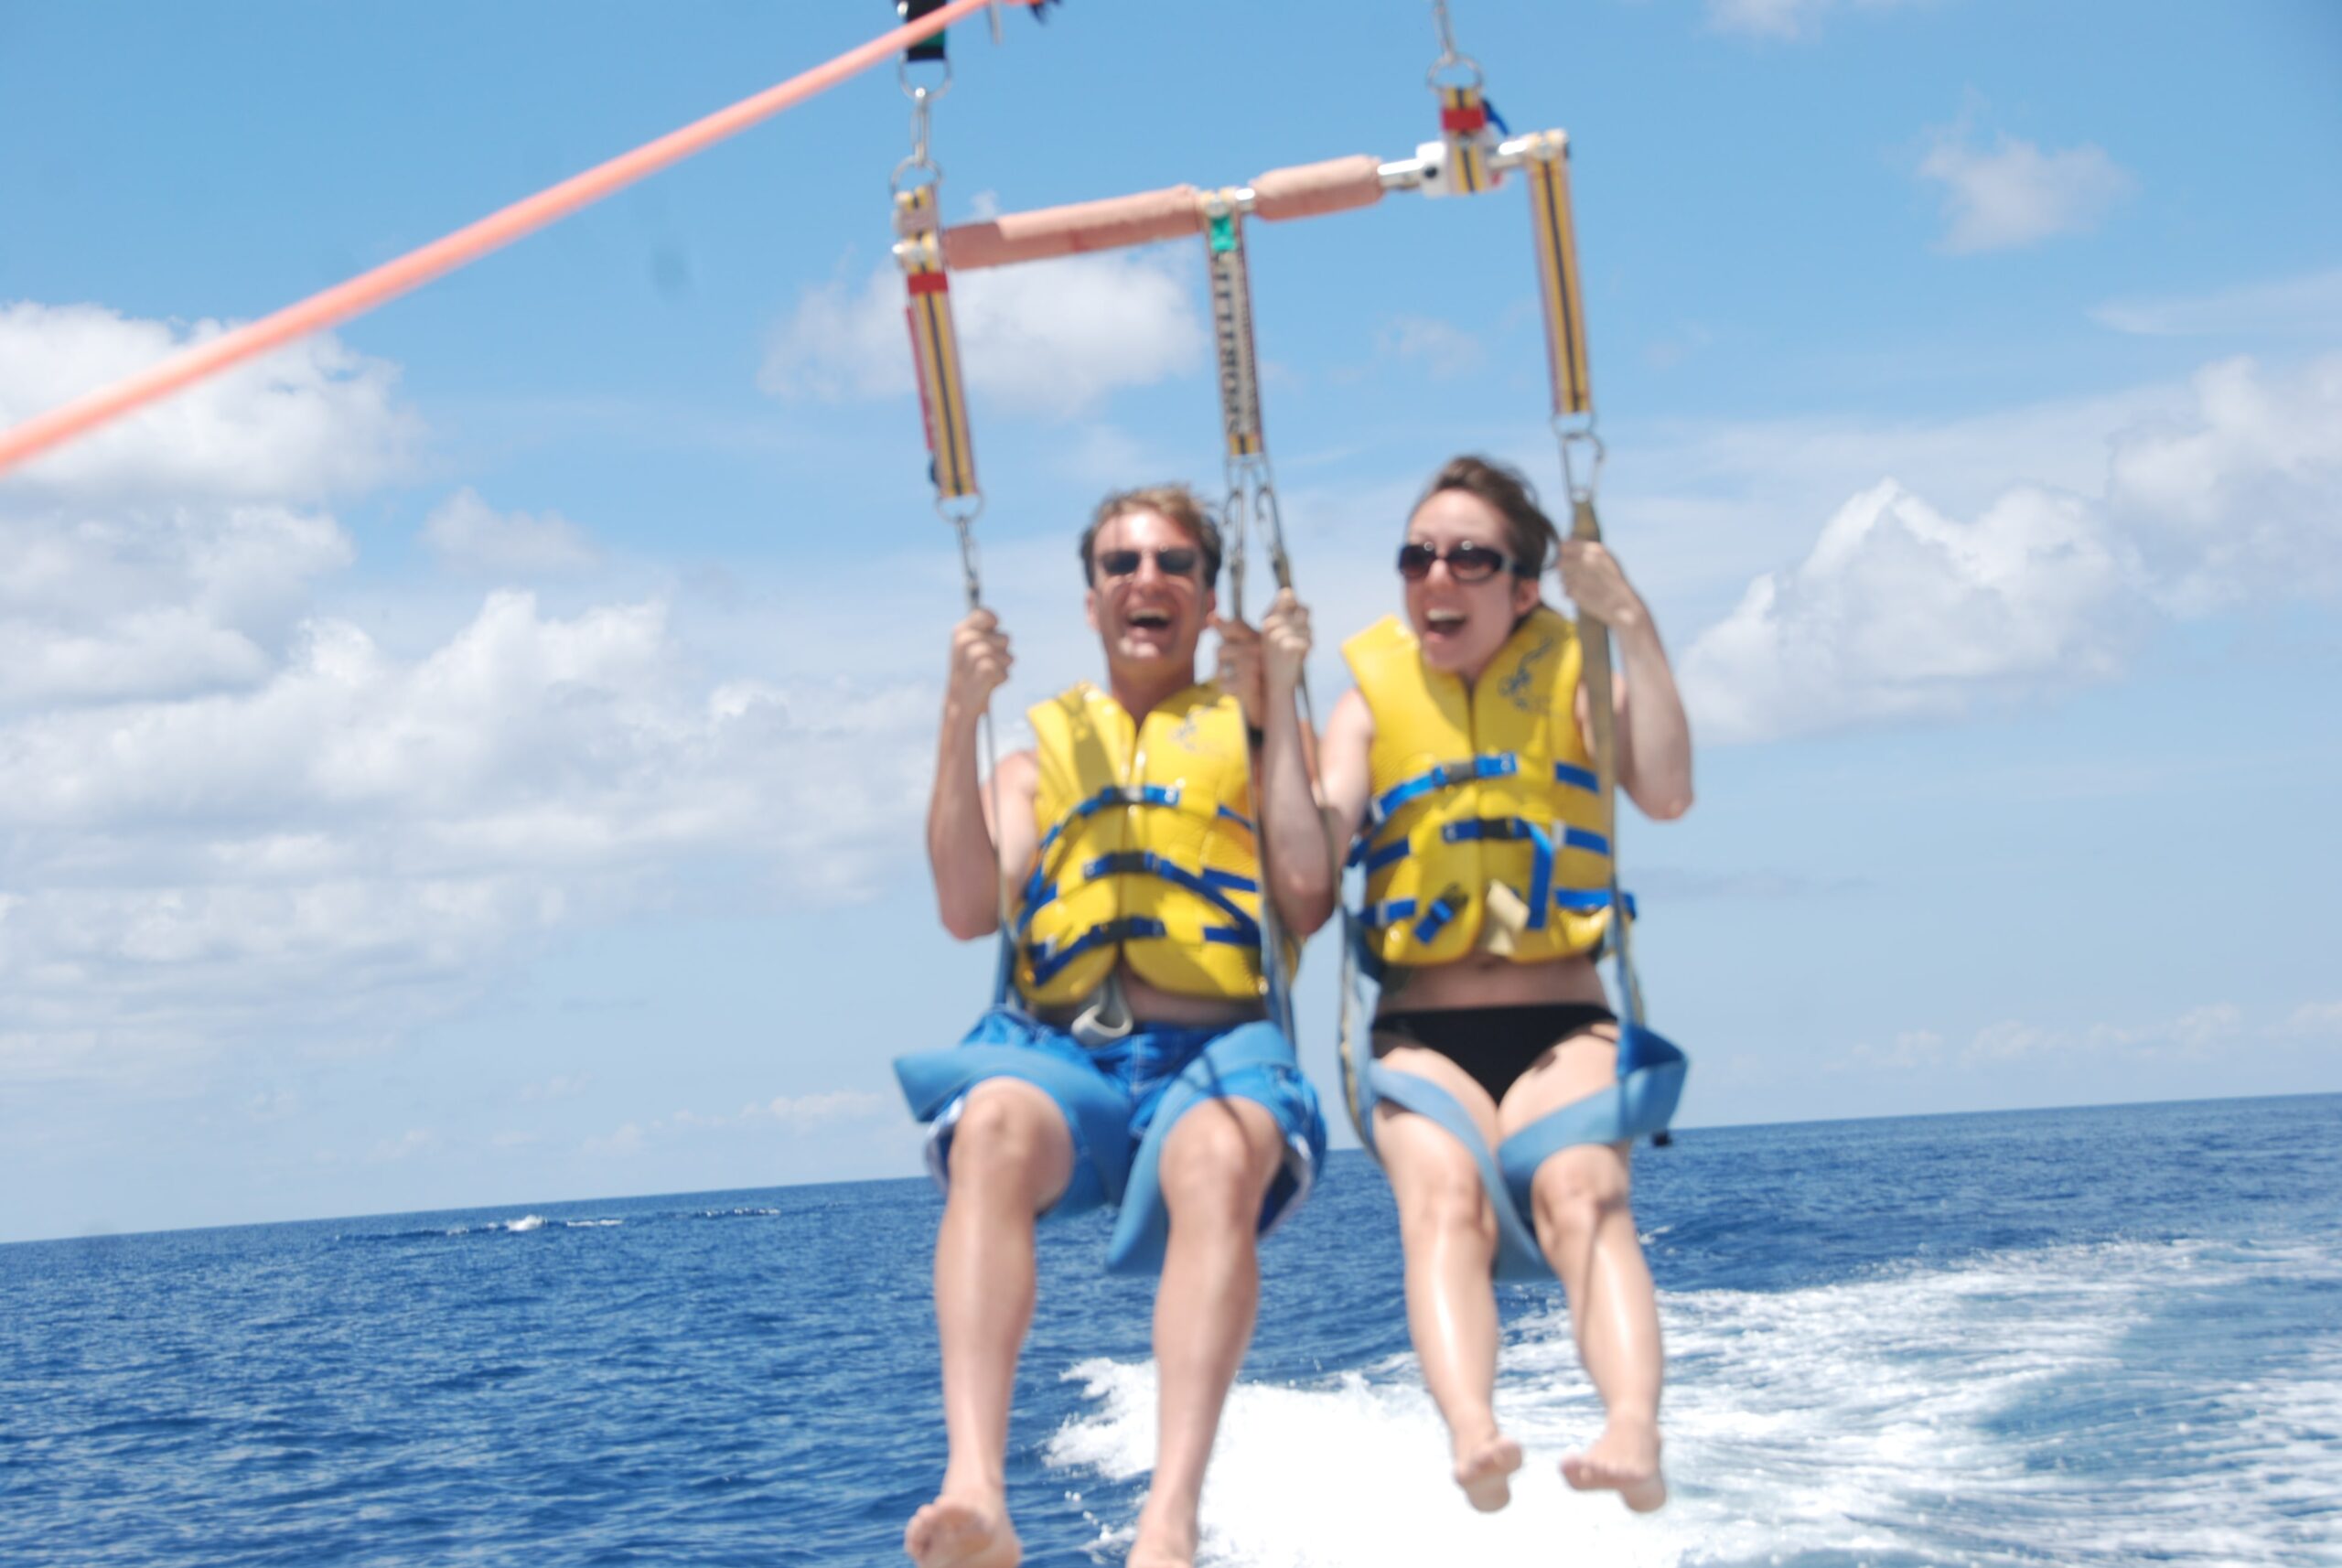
(1485, 831)
(1147, 854)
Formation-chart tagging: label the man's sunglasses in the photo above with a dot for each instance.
(1466, 562)
(1179, 561)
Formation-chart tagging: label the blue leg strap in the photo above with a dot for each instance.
(1640, 1100)
(1517, 1254)
(934, 1082)
(1253, 1062)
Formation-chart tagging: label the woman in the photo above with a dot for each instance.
(1488, 895)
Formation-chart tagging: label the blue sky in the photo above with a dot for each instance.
(477, 757)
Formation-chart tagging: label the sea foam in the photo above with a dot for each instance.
(1996, 1411)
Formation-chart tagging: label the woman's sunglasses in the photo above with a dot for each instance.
(1177, 562)
(1466, 562)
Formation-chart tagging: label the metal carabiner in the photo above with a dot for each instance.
(920, 99)
(964, 522)
(1584, 436)
(921, 91)
(1449, 55)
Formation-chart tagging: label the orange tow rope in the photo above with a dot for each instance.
(467, 244)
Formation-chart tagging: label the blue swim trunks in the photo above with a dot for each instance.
(1120, 1102)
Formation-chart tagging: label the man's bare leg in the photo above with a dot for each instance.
(1450, 1238)
(1011, 1157)
(1217, 1166)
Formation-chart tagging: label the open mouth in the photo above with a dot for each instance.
(1444, 623)
(1151, 620)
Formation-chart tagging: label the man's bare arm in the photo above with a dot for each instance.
(973, 857)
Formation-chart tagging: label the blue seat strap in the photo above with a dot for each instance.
(1639, 1101)
(1142, 1229)
(1517, 1253)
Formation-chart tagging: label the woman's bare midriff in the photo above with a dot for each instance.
(1485, 979)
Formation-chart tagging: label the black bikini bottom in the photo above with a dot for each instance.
(1495, 1045)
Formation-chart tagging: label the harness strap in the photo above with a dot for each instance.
(935, 352)
(1548, 170)
(1463, 126)
(1232, 319)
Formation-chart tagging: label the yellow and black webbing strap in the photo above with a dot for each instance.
(1463, 126)
(1594, 672)
(1547, 166)
(1232, 318)
(935, 350)
(915, 212)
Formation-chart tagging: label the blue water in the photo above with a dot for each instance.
(2075, 1337)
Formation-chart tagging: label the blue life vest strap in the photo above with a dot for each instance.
(1207, 886)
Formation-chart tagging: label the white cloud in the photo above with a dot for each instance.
(2241, 497)
(418, 1140)
(2313, 1021)
(627, 1141)
(2208, 1034)
(1783, 18)
(171, 556)
(309, 420)
(794, 1114)
(467, 533)
(1901, 611)
(1052, 338)
(805, 1111)
(2014, 194)
(2307, 306)
(1443, 348)
(359, 838)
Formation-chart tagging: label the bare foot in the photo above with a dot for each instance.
(1160, 1545)
(1625, 1459)
(963, 1531)
(1485, 1471)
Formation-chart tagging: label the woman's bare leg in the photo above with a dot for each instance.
(1449, 1233)
(1587, 1229)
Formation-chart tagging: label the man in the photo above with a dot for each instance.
(1138, 1066)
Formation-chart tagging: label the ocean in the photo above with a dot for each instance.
(2078, 1337)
